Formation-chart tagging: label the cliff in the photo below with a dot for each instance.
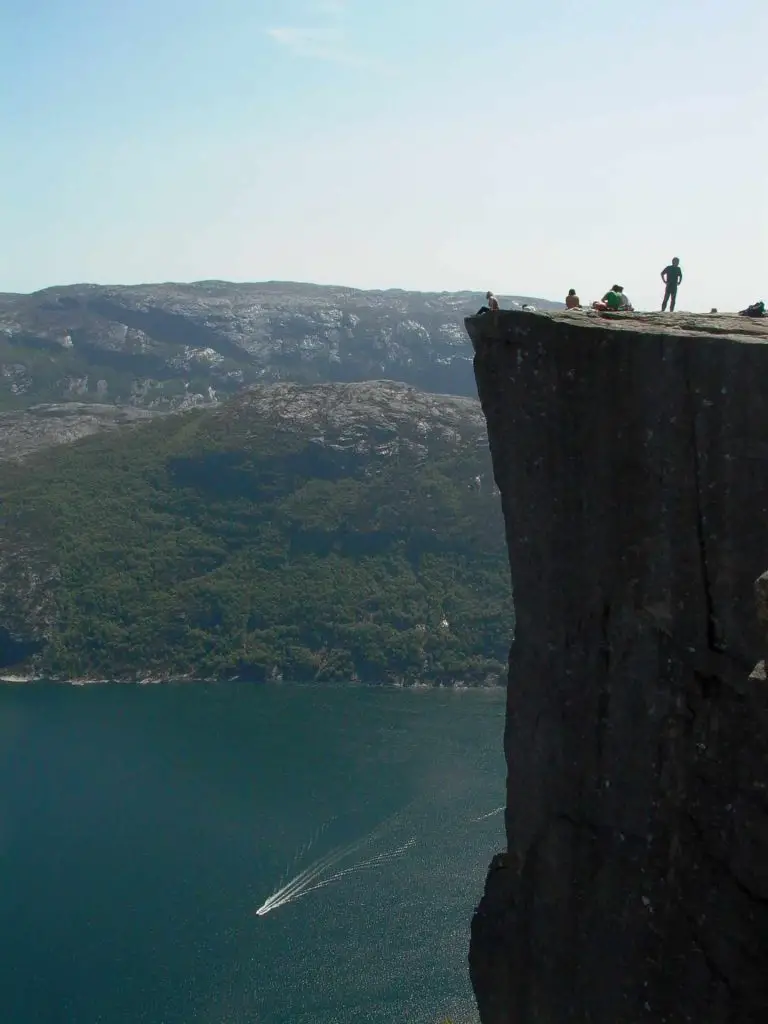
(630, 453)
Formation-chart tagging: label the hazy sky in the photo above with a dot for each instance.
(433, 144)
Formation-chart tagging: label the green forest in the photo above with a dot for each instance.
(223, 544)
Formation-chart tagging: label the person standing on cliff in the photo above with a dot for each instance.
(671, 276)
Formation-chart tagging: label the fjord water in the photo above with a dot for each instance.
(141, 828)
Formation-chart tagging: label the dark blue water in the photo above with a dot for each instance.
(142, 827)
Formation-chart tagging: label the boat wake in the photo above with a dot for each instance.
(490, 814)
(322, 871)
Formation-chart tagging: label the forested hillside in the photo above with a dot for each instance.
(313, 533)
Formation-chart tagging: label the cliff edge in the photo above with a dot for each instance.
(631, 457)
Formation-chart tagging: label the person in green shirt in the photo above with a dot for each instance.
(613, 298)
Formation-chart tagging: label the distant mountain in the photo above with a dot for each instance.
(170, 346)
(331, 532)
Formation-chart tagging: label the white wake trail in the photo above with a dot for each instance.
(305, 877)
(302, 878)
(374, 862)
(490, 814)
(304, 849)
(310, 879)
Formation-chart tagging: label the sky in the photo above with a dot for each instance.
(422, 144)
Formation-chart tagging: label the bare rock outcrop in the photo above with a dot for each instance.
(630, 452)
(43, 426)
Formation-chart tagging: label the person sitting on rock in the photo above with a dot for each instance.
(626, 306)
(572, 300)
(492, 304)
(610, 301)
(756, 309)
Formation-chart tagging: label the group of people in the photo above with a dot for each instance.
(615, 301)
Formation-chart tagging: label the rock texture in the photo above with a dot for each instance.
(168, 346)
(41, 426)
(365, 415)
(631, 455)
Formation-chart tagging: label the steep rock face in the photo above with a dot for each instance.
(630, 453)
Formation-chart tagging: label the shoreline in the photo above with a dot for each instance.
(456, 685)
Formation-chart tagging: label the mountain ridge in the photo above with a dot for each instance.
(172, 345)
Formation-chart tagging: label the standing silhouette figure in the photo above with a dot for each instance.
(671, 276)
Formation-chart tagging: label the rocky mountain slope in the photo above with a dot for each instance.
(630, 454)
(326, 532)
(170, 346)
(41, 426)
